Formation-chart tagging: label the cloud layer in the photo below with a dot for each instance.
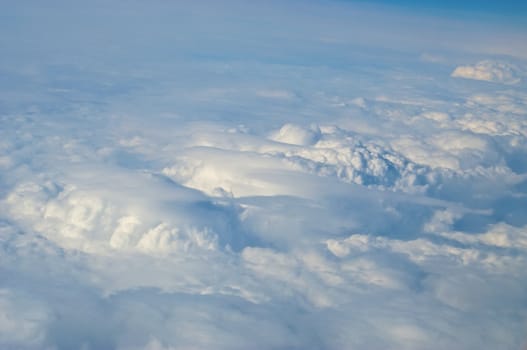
(241, 181)
(496, 72)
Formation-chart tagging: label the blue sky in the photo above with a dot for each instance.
(517, 8)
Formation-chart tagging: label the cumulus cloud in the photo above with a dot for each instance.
(493, 71)
(297, 135)
(238, 184)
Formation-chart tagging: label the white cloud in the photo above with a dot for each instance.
(233, 181)
(297, 135)
(496, 72)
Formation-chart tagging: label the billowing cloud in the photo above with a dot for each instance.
(493, 71)
(242, 176)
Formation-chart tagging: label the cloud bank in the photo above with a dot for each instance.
(239, 177)
(496, 72)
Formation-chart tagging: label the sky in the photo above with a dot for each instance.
(500, 8)
(263, 175)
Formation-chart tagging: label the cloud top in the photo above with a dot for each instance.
(241, 175)
(488, 70)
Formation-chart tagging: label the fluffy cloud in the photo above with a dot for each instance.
(496, 72)
(296, 135)
(267, 183)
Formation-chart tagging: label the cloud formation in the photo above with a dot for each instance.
(233, 177)
(493, 71)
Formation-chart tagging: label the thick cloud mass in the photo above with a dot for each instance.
(260, 176)
(496, 72)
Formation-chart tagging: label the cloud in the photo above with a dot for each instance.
(226, 221)
(22, 321)
(493, 71)
(297, 135)
(233, 177)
